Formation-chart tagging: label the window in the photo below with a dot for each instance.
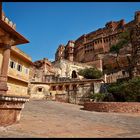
(106, 40)
(74, 87)
(53, 88)
(19, 67)
(60, 87)
(12, 64)
(123, 72)
(67, 87)
(40, 89)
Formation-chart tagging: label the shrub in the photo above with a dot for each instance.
(90, 73)
(126, 91)
(98, 96)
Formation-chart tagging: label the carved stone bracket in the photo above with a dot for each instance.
(6, 39)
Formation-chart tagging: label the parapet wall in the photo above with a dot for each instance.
(122, 107)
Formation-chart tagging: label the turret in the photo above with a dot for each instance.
(137, 16)
(69, 50)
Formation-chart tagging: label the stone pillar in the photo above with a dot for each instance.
(5, 63)
(101, 65)
(4, 69)
(105, 78)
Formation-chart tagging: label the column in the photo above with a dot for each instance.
(4, 69)
(5, 63)
(105, 78)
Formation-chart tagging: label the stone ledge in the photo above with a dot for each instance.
(14, 98)
(122, 107)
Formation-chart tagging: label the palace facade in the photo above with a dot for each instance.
(14, 72)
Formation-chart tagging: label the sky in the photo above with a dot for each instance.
(48, 24)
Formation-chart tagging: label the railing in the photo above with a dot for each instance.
(10, 23)
(14, 48)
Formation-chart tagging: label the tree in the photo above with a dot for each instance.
(130, 37)
(90, 73)
(126, 91)
(124, 39)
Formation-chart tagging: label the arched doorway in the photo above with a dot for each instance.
(74, 74)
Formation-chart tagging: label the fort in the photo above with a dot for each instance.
(59, 80)
(21, 79)
(94, 48)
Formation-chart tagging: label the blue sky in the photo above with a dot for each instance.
(48, 24)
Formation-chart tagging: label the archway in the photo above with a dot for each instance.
(74, 74)
(40, 89)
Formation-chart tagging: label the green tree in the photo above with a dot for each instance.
(128, 38)
(126, 91)
(124, 39)
(90, 73)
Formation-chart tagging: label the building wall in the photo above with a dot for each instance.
(23, 75)
(41, 69)
(75, 91)
(39, 91)
(64, 68)
(1, 58)
(18, 80)
(17, 87)
(88, 46)
(60, 53)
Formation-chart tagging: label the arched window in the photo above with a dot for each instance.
(67, 87)
(53, 88)
(40, 89)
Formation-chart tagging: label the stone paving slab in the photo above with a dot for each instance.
(50, 119)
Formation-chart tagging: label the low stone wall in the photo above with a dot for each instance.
(10, 109)
(127, 107)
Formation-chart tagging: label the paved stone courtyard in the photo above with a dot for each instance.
(49, 119)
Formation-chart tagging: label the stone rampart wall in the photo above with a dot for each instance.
(122, 107)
